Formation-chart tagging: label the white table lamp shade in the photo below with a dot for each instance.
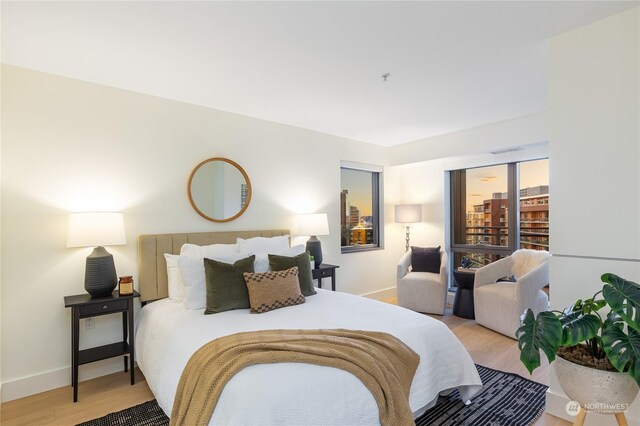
(95, 229)
(408, 213)
(313, 224)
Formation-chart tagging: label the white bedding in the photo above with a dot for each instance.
(167, 335)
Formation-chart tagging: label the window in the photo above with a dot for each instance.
(360, 198)
(534, 205)
(496, 210)
(483, 206)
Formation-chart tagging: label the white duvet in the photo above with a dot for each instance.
(167, 335)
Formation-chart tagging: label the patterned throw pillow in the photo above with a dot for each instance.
(273, 290)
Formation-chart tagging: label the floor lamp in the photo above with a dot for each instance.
(408, 214)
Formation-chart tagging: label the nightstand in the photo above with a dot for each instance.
(325, 271)
(84, 306)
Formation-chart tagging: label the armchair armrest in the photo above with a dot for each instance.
(490, 273)
(403, 265)
(444, 269)
(528, 285)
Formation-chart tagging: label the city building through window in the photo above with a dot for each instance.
(360, 207)
(534, 205)
(496, 210)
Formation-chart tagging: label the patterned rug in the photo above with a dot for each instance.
(506, 400)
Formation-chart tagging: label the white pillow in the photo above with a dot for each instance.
(262, 244)
(194, 279)
(261, 264)
(175, 280)
(211, 251)
(525, 260)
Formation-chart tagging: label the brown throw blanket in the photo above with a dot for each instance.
(384, 364)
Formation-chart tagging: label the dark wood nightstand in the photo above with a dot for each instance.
(325, 271)
(85, 306)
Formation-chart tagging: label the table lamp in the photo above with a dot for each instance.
(408, 214)
(97, 229)
(313, 225)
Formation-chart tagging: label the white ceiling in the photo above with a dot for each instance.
(316, 65)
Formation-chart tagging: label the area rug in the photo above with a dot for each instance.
(506, 400)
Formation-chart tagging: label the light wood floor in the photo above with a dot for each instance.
(107, 394)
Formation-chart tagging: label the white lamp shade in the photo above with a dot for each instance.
(313, 224)
(95, 229)
(409, 213)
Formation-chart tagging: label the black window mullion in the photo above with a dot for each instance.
(513, 224)
(376, 207)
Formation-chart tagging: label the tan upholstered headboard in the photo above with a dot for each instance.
(152, 267)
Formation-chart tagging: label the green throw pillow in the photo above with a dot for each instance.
(302, 261)
(226, 289)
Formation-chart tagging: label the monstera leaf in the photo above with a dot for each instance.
(624, 298)
(623, 350)
(577, 328)
(591, 305)
(535, 333)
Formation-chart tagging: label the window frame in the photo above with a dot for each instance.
(513, 222)
(377, 173)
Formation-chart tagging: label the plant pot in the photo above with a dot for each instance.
(596, 390)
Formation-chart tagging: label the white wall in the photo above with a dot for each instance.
(594, 115)
(478, 141)
(73, 146)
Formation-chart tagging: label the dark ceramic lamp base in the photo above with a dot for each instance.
(100, 277)
(315, 249)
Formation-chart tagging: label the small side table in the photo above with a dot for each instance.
(325, 271)
(463, 302)
(85, 306)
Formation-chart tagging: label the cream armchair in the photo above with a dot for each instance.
(422, 291)
(498, 306)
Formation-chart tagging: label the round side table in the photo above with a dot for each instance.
(463, 303)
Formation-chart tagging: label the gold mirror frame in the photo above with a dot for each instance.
(246, 179)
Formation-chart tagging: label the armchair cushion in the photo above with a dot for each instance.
(425, 259)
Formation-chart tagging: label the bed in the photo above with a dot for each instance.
(167, 335)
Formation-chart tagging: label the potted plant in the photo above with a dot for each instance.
(598, 356)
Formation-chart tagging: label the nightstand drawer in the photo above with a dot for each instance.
(323, 273)
(103, 307)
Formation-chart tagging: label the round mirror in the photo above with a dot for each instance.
(219, 189)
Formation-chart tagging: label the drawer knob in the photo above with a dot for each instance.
(105, 307)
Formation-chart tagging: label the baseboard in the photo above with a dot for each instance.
(37, 383)
(381, 294)
(556, 405)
